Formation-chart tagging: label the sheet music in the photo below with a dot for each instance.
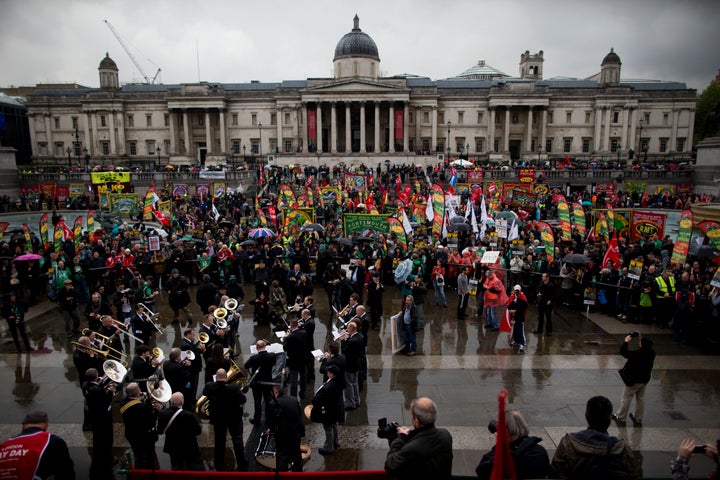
(317, 353)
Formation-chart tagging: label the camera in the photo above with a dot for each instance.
(699, 449)
(387, 430)
(492, 426)
(634, 334)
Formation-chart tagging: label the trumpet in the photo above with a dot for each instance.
(157, 353)
(344, 311)
(150, 317)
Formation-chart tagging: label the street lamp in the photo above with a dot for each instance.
(260, 144)
(157, 150)
(244, 159)
(617, 150)
(539, 152)
(69, 152)
(87, 159)
(642, 147)
(467, 151)
(448, 141)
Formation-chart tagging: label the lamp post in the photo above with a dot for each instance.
(642, 147)
(617, 150)
(539, 152)
(244, 159)
(260, 144)
(157, 150)
(448, 142)
(69, 152)
(467, 152)
(87, 159)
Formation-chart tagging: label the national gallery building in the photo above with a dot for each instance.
(360, 116)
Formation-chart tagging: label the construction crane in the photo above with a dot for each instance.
(148, 80)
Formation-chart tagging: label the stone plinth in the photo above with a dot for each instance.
(9, 171)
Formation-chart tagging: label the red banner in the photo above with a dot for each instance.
(48, 189)
(62, 192)
(681, 188)
(607, 188)
(399, 123)
(312, 124)
(526, 175)
(711, 229)
(475, 176)
(645, 224)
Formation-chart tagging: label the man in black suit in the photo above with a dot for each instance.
(143, 366)
(214, 334)
(178, 375)
(99, 401)
(296, 346)
(308, 324)
(328, 409)
(286, 421)
(226, 412)
(181, 430)
(95, 309)
(334, 357)
(357, 278)
(140, 426)
(261, 386)
(352, 347)
(188, 344)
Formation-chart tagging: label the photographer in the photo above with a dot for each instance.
(636, 375)
(423, 452)
(530, 458)
(680, 466)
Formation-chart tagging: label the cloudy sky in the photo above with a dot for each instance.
(273, 40)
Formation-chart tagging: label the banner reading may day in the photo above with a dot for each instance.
(365, 223)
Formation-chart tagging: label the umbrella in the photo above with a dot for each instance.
(461, 163)
(507, 214)
(415, 224)
(226, 224)
(247, 243)
(458, 227)
(576, 259)
(28, 256)
(261, 232)
(457, 219)
(403, 270)
(700, 251)
(345, 241)
(159, 231)
(312, 227)
(365, 239)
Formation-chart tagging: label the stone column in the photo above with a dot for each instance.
(333, 127)
(673, 134)
(223, 139)
(33, 136)
(543, 136)
(86, 129)
(491, 131)
(49, 135)
(121, 134)
(348, 127)
(632, 131)
(623, 135)
(391, 129)
(318, 126)
(303, 112)
(363, 142)
(506, 133)
(112, 134)
(528, 133)
(596, 134)
(406, 124)
(434, 132)
(173, 132)
(208, 134)
(186, 127)
(376, 140)
(690, 128)
(93, 142)
(418, 138)
(606, 132)
(278, 130)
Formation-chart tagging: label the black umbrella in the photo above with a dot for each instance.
(458, 227)
(576, 259)
(702, 251)
(365, 239)
(312, 227)
(226, 224)
(247, 243)
(457, 219)
(345, 241)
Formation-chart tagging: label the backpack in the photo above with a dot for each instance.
(603, 467)
(683, 303)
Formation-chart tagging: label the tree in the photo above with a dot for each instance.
(707, 101)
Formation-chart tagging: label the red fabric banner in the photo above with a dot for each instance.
(399, 123)
(312, 124)
(644, 224)
(475, 176)
(526, 175)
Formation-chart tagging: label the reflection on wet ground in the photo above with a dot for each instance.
(461, 366)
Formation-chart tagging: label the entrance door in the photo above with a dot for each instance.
(515, 149)
(202, 153)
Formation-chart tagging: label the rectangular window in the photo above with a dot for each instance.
(105, 147)
(273, 119)
(647, 119)
(273, 145)
(587, 117)
(411, 119)
(567, 144)
(167, 147)
(131, 120)
(644, 142)
(235, 119)
(663, 145)
(59, 149)
(496, 146)
(680, 145)
(253, 120)
(568, 117)
(461, 118)
(441, 118)
(57, 123)
(150, 147)
(288, 146)
(411, 144)
(103, 121)
(550, 117)
(236, 146)
(616, 117)
(42, 147)
(586, 145)
(201, 119)
(166, 120)
(75, 122)
(287, 119)
(441, 145)
(255, 146)
(532, 145)
(614, 144)
(548, 145)
(426, 117)
(480, 118)
(426, 144)
(666, 119)
(133, 148)
(479, 145)
(459, 144)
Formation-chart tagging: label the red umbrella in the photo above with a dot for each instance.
(27, 256)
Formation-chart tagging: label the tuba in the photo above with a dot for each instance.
(203, 338)
(234, 375)
(115, 373)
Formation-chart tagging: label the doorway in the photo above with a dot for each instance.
(515, 149)
(202, 153)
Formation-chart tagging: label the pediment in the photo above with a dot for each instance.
(354, 85)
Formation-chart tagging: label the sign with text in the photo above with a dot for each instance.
(645, 224)
(110, 177)
(365, 223)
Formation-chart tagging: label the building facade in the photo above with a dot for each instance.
(358, 116)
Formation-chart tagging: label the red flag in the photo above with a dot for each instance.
(503, 465)
(67, 231)
(398, 182)
(162, 217)
(309, 181)
(613, 253)
(507, 323)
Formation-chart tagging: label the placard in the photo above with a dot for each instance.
(635, 269)
(154, 243)
(715, 282)
(490, 257)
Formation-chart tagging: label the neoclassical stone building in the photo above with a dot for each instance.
(360, 116)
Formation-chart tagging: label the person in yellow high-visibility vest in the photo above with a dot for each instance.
(664, 298)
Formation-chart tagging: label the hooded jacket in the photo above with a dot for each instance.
(575, 448)
(530, 458)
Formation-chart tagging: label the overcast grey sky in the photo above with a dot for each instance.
(239, 41)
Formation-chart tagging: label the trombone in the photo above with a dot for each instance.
(150, 317)
(344, 311)
(103, 353)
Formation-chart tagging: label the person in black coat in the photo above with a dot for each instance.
(140, 418)
(188, 344)
(297, 347)
(638, 370)
(352, 347)
(205, 295)
(328, 409)
(181, 430)
(261, 386)
(375, 291)
(334, 357)
(530, 458)
(226, 412)
(178, 375)
(14, 310)
(141, 327)
(307, 323)
(99, 401)
(286, 421)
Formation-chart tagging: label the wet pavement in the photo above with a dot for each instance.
(460, 365)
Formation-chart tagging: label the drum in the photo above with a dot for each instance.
(265, 453)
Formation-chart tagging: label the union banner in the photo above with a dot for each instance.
(365, 223)
(110, 177)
